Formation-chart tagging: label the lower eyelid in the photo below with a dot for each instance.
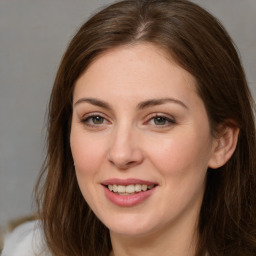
(87, 121)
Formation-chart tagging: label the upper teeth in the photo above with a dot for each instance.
(129, 189)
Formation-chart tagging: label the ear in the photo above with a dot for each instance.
(224, 145)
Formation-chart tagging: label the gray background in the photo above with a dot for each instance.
(33, 37)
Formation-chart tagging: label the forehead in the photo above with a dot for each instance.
(140, 70)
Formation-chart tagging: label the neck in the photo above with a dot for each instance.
(178, 240)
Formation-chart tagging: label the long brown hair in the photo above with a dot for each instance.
(200, 45)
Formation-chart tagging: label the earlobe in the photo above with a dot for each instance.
(224, 146)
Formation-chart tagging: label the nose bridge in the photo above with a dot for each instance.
(124, 150)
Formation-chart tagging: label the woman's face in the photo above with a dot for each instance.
(140, 140)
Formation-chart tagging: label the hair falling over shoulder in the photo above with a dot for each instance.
(200, 45)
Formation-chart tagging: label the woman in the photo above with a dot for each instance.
(151, 138)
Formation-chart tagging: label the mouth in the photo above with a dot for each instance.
(129, 189)
(128, 186)
(128, 192)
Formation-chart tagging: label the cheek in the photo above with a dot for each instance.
(182, 164)
(181, 154)
(87, 153)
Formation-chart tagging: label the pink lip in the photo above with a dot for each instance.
(127, 200)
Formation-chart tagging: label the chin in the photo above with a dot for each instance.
(131, 231)
(130, 225)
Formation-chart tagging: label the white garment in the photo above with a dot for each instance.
(26, 240)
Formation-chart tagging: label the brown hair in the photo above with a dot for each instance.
(199, 44)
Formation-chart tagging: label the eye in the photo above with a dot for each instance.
(97, 119)
(161, 121)
(94, 120)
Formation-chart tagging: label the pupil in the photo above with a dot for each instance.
(159, 121)
(97, 120)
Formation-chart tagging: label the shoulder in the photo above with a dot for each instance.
(26, 240)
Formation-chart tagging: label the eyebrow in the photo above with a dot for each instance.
(142, 105)
(95, 102)
(155, 102)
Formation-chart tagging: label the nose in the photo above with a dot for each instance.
(124, 151)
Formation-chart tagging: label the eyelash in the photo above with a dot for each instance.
(86, 120)
(167, 120)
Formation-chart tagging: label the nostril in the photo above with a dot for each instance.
(130, 163)
(122, 164)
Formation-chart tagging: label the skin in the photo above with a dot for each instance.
(128, 141)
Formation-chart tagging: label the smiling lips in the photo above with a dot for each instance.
(130, 189)
(128, 192)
